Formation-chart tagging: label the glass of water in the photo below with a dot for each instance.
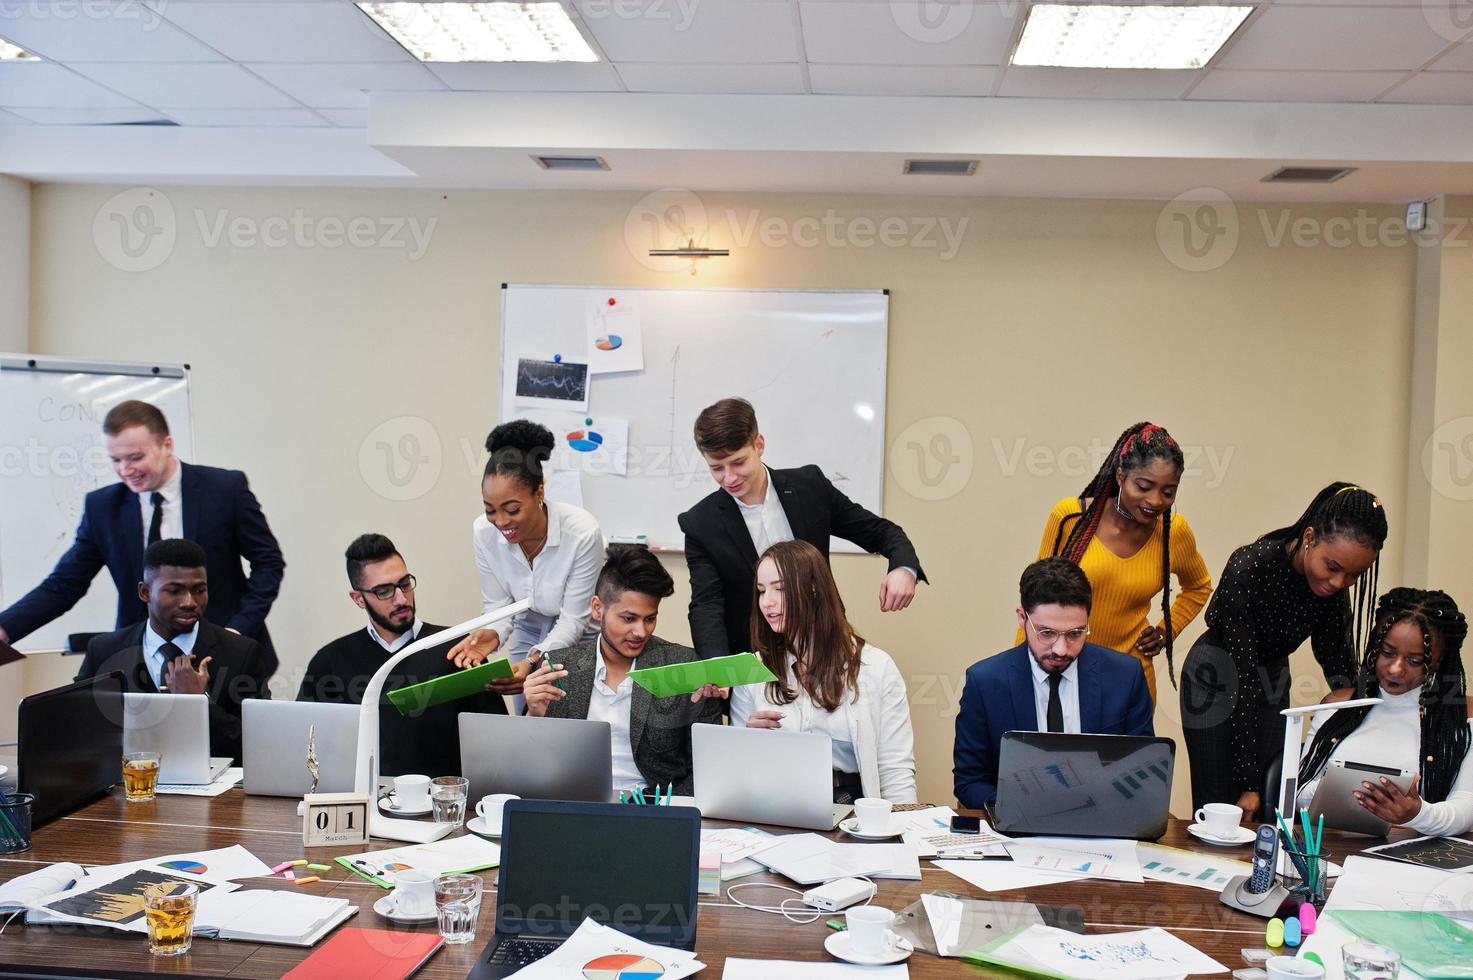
(447, 797)
(457, 905)
(1369, 961)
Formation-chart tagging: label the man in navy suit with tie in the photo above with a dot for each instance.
(160, 497)
(1054, 682)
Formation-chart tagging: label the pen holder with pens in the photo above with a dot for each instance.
(15, 822)
(640, 796)
(1306, 875)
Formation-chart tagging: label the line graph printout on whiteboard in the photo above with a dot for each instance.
(51, 457)
(811, 361)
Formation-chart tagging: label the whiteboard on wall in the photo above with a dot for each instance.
(811, 361)
(51, 457)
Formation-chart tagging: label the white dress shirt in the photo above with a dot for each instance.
(154, 659)
(559, 580)
(612, 706)
(766, 521)
(172, 525)
(1068, 696)
(400, 642)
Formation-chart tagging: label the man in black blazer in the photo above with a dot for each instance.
(160, 497)
(176, 652)
(756, 508)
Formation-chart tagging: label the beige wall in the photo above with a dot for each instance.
(15, 283)
(1056, 324)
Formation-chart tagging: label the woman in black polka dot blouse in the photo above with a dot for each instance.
(1289, 585)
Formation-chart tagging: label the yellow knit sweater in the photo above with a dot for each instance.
(1125, 587)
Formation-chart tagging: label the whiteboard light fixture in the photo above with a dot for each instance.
(690, 250)
(12, 52)
(1067, 35)
(482, 32)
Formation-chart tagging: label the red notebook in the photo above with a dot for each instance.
(368, 954)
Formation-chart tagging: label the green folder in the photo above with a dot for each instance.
(989, 955)
(1430, 943)
(687, 678)
(461, 684)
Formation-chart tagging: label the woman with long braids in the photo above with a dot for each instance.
(1288, 586)
(1414, 664)
(1124, 534)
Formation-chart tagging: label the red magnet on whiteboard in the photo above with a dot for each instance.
(612, 301)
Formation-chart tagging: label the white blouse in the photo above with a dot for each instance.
(1391, 735)
(560, 581)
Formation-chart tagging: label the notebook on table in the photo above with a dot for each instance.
(368, 954)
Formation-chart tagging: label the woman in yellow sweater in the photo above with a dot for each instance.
(1122, 532)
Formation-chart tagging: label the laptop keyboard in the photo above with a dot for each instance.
(520, 952)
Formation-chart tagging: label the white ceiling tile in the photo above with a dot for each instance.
(1095, 83)
(90, 117)
(691, 32)
(343, 86)
(38, 84)
(1459, 58)
(97, 30)
(902, 79)
(717, 79)
(908, 33)
(1435, 87)
(1294, 86)
(1327, 39)
(253, 118)
(347, 118)
(190, 86)
(508, 76)
(293, 32)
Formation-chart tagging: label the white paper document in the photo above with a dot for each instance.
(221, 784)
(945, 917)
(1172, 864)
(1395, 886)
(1001, 876)
(597, 951)
(738, 969)
(223, 864)
(1145, 954)
(584, 442)
(448, 856)
(1113, 860)
(615, 341)
(810, 859)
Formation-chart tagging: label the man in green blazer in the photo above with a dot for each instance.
(650, 736)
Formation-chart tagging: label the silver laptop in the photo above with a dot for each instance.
(177, 727)
(537, 758)
(274, 750)
(1334, 798)
(758, 775)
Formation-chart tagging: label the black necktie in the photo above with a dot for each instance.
(156, 525)
(1055, 706)
(171, 653)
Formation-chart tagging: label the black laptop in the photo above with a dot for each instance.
(1083, 785)
(71, 745)
(641, 881)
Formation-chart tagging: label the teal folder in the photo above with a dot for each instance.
(461, 684)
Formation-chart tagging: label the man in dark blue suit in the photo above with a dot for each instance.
(1054, 682)
(160, 498)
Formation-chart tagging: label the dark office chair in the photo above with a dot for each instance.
(1269, 797)
(77, 642)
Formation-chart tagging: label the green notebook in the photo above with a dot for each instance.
(687, 678)
(461, 684)
(1431, 944)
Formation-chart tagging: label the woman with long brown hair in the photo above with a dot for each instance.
(829, 679)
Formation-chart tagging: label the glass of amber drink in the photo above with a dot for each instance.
(140, 776)
(169, 909)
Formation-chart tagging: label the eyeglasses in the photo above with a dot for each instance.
(1049, 636)
(386, 592)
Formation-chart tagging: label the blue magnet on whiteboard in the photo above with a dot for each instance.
(557, 358)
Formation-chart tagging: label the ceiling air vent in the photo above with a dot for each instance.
(1307, 175)
(946, 168)
(571, 163)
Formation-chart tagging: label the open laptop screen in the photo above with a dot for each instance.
(628, 867)
(1083, 785)
(71, 745)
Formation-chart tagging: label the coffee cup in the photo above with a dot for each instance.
(1219, 819)
(873, 814)
(412, 791)
(869, 930)
(414, 892)
(1292, 968)
(489, 810)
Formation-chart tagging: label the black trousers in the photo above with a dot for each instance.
(1210, 689)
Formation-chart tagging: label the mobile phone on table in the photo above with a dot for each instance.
(966, 825)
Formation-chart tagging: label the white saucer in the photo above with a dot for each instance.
(850, 826)
(385, 908)
(389, 805)
(477, 826)
(1241, 836)
(838, 945)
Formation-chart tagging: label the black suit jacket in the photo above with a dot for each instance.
(723, 561)
(237, 672)
(220, 514)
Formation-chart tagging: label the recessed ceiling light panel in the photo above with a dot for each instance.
(482, 31)
(11, 52)
(1069, 35)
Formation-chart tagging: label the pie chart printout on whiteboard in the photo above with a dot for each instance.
(623, 966)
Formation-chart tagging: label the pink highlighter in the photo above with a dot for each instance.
(1306, 919)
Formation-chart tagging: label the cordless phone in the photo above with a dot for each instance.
(1265, 854)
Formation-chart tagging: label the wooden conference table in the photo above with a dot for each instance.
(111, 831)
